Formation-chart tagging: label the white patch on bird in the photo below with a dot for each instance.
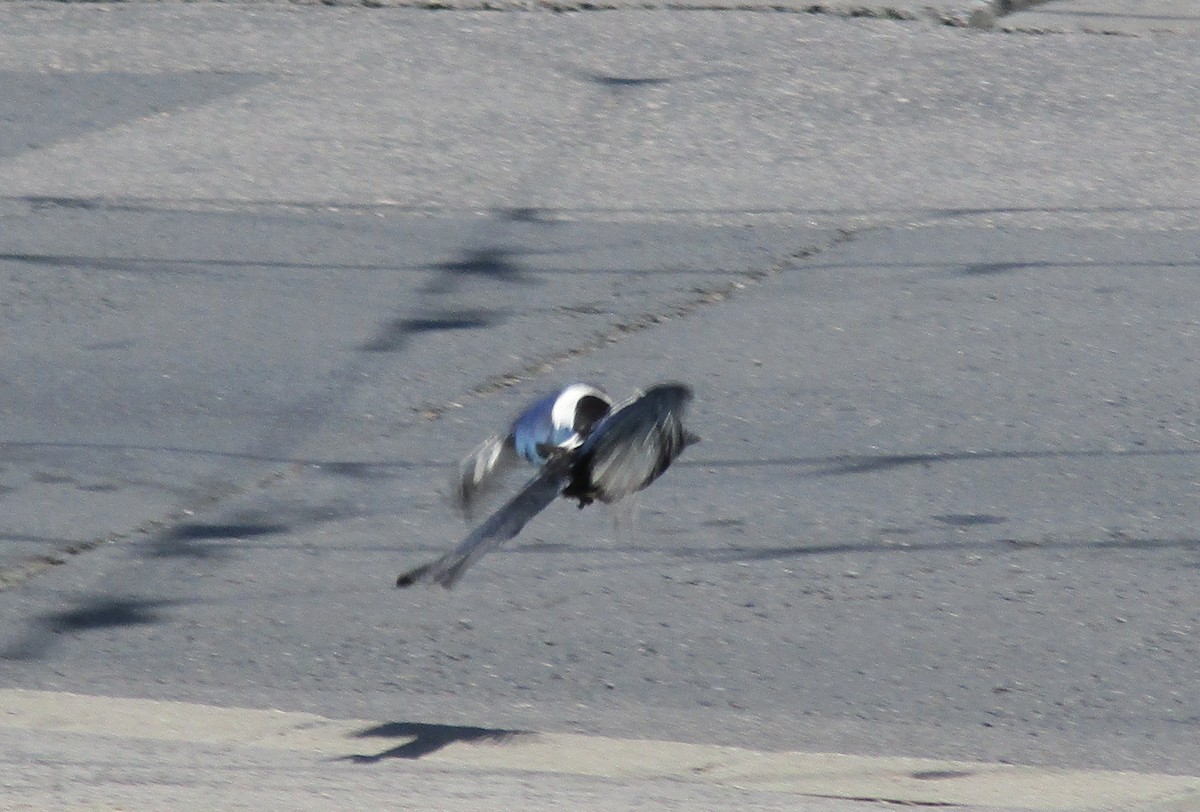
(562, 414)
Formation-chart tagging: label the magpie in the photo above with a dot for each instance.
(622, 452)
(559, 421)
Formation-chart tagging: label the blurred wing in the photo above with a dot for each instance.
(481, 470)
(502, 525)
(638, 442)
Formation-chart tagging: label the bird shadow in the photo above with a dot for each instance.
(395, 334)
(87, 614)
(424, 739)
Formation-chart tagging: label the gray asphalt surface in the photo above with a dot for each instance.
(266, 272)
(1135, 18)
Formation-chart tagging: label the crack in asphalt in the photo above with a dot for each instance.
(704, 297)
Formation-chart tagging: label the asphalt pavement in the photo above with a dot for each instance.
(267, 270)
(1136, 18)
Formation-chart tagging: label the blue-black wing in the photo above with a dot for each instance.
(482, 470)
(631, 447)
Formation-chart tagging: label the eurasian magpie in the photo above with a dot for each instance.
(620, 453)
(560, 421)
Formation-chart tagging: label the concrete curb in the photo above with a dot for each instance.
(891, 780)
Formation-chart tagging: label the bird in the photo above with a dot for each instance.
(621, 453)
(558, 421)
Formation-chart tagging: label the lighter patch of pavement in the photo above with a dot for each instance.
(492, 753)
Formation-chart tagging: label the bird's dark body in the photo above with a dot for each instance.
(623, 453)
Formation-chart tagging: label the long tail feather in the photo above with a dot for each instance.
(501, 526)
